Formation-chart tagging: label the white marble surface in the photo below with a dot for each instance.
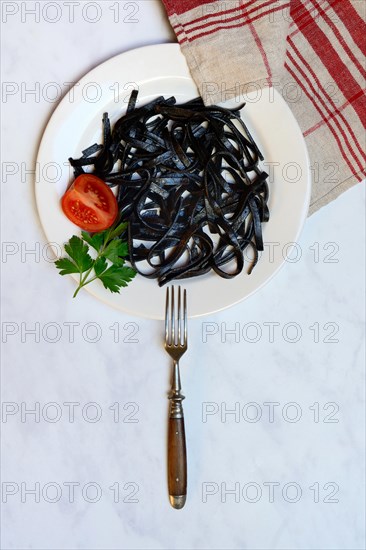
(323, 449)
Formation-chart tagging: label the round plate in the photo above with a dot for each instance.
(162, 70)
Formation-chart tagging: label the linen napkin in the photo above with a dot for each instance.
(312, 51)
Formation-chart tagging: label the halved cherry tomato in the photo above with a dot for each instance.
(90, 204)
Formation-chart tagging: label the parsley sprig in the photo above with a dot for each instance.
(109, 264)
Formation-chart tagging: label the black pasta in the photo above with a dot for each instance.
(189, 184)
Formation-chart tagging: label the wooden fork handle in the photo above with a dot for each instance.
(177, 460)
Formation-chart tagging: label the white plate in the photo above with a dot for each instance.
(162, 70)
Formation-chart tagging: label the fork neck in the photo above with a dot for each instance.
(176, 396)
(176, 385)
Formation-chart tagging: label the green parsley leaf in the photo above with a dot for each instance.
(78, 251)
(96, 240)
(100, 266)
(66, 266)
(116, 277)
(116, 251)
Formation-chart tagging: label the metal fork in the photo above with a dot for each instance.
(176, 346)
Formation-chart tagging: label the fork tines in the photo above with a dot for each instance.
(175, 317)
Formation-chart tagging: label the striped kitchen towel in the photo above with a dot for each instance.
(312, 51)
